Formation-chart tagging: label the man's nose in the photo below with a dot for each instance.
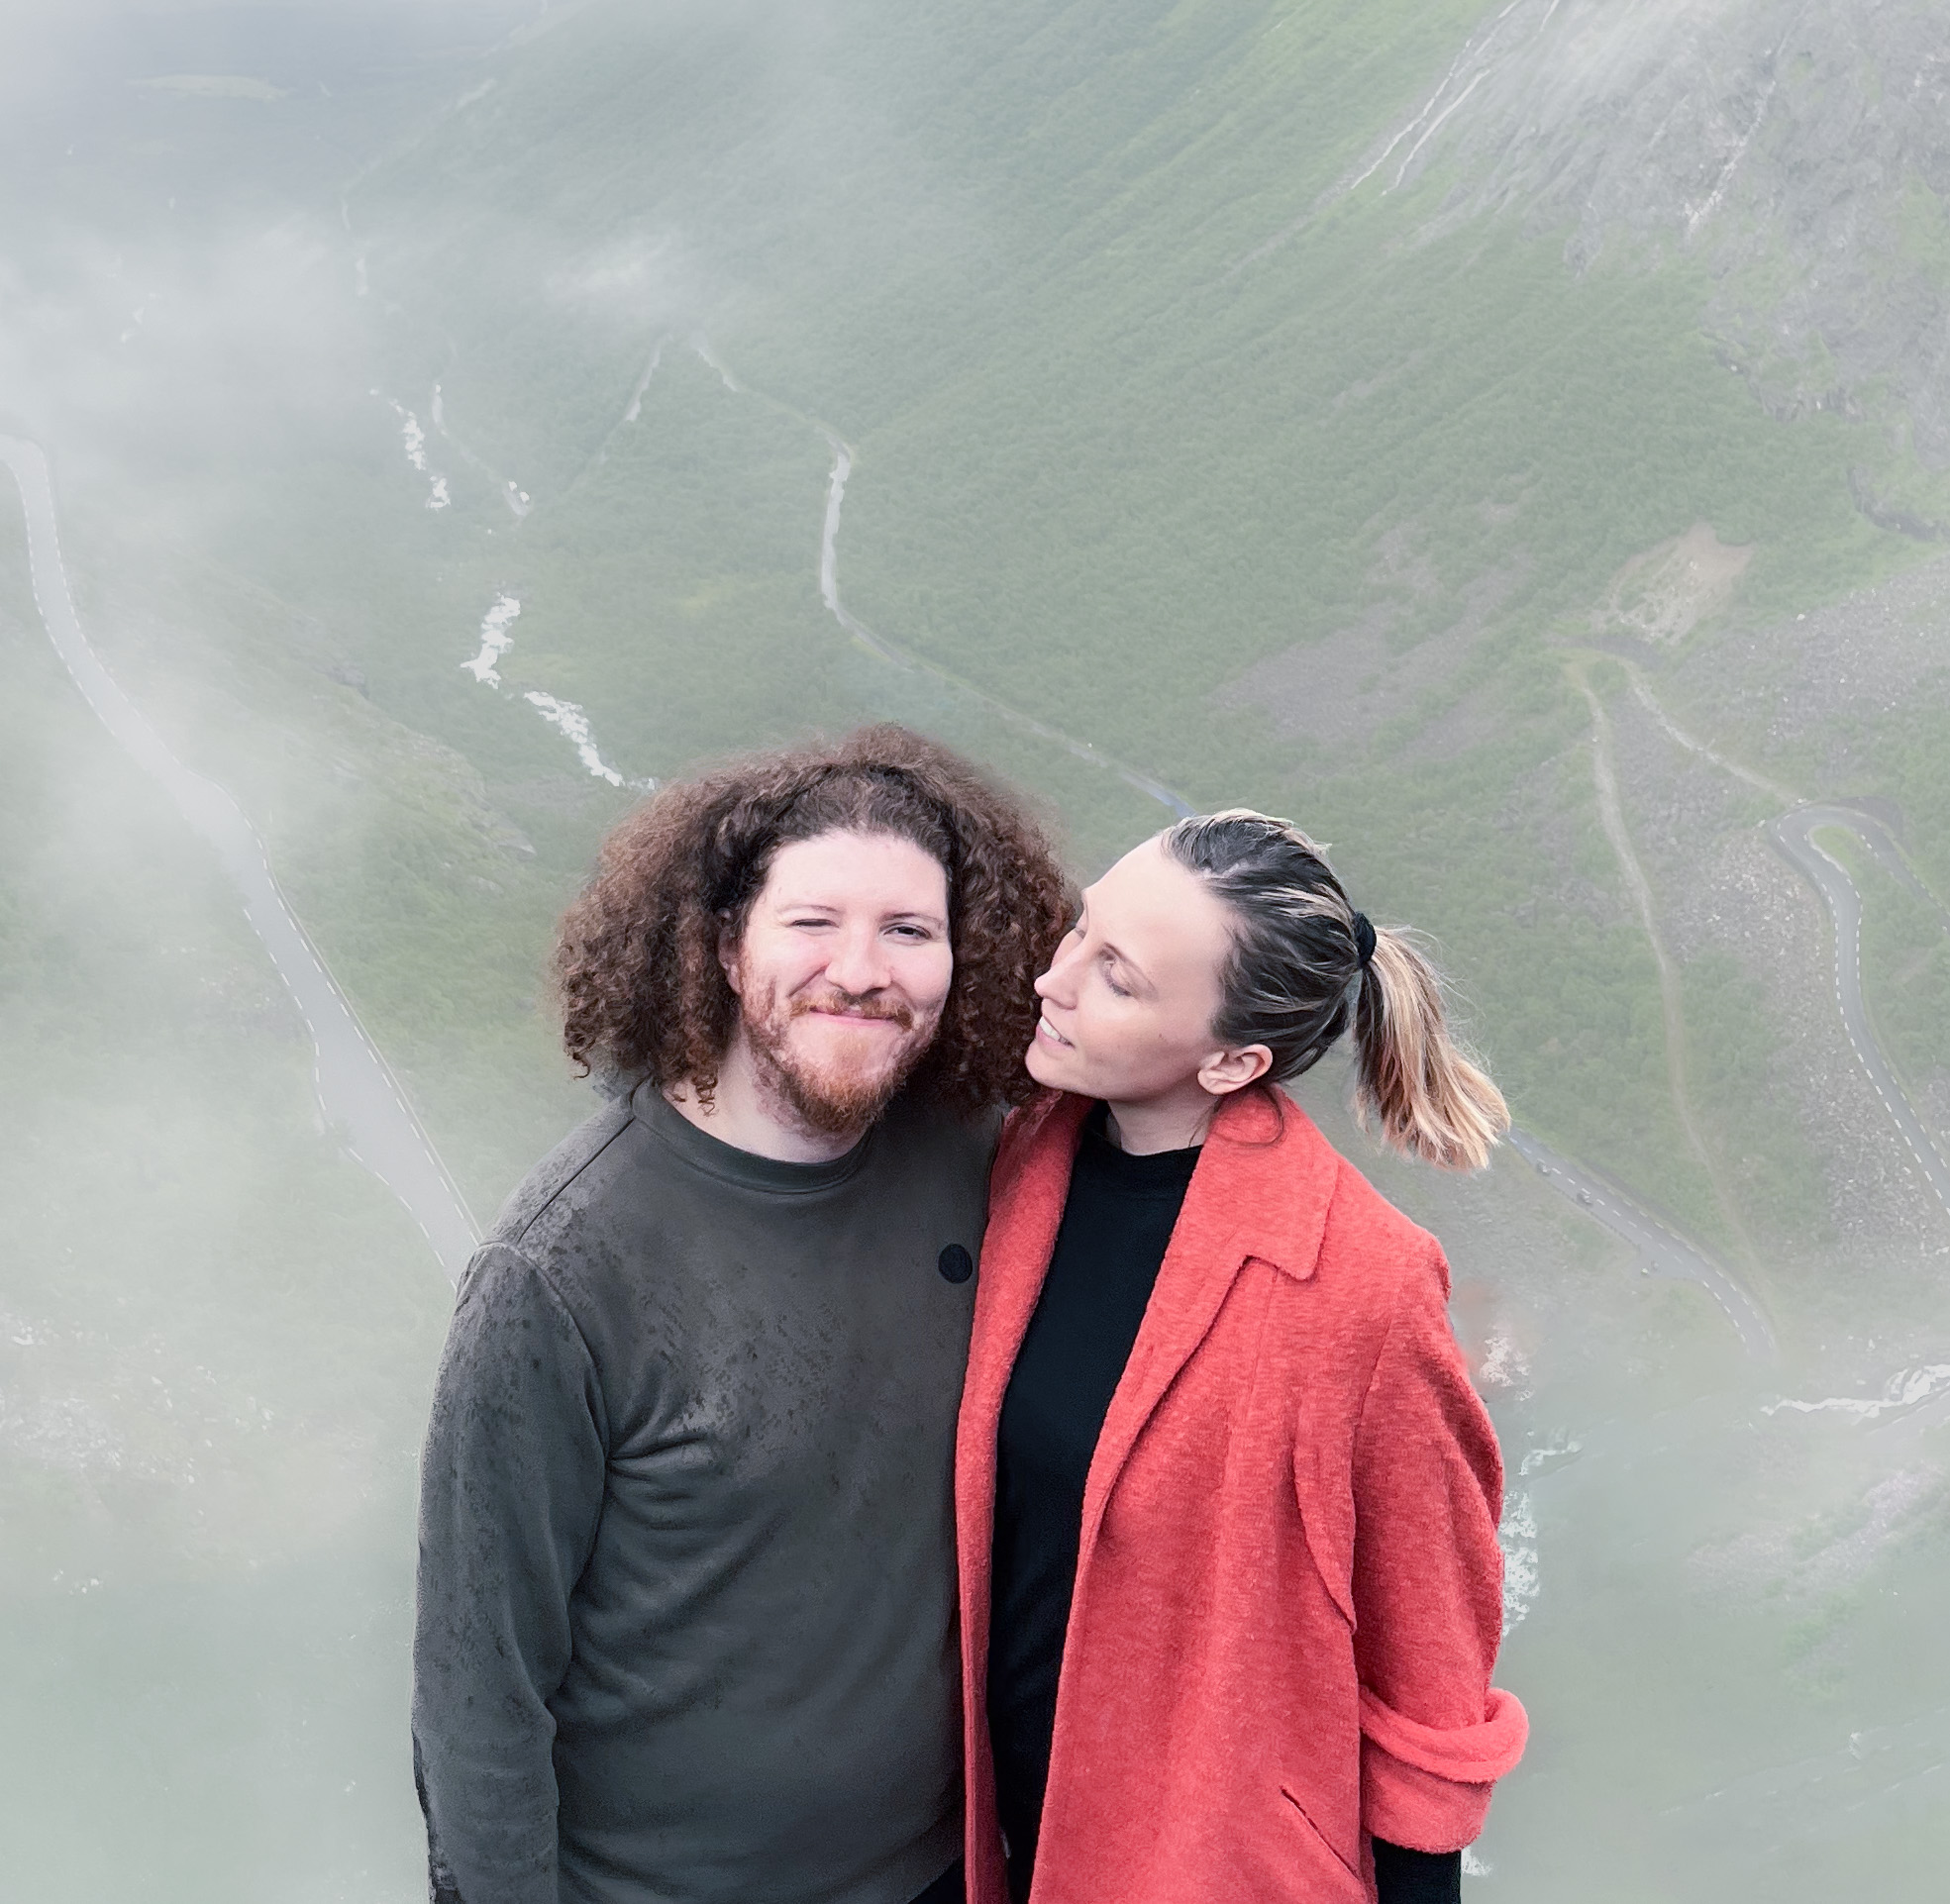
(859, 962)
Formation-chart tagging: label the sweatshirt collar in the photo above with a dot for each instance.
(713, 1158)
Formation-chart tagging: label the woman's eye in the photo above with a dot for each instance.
(1117, 991)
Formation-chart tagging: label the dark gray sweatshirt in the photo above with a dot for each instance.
(687, 1588)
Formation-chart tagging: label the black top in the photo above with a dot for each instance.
(687, 1593)
(1116, 1223)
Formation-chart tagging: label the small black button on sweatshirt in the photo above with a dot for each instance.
(1116, 1224)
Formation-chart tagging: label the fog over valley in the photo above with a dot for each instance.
(1513, 440)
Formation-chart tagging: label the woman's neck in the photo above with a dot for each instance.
(1177, 1121)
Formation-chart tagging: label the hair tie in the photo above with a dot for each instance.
(1364, 940)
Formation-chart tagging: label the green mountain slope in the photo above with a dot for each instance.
(1413, 418)
(216, 1341)
(1241, 400)
(1139, 408)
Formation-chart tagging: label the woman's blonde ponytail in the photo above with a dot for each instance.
(1419, 1090)
(1305, 968)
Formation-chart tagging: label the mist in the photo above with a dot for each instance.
(1512, 443)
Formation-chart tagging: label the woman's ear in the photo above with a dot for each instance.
(1227, 1071)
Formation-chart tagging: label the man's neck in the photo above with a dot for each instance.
(746, 1115)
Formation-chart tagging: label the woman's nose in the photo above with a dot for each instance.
(1055, 983)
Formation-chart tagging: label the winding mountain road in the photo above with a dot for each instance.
(358, 1093)
(1791, 835)
(891, 653)
(1794, 835)
(1661, 1251)
(1173, 802)
(1611, 815)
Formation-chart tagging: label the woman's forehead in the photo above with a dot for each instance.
(1160, 912)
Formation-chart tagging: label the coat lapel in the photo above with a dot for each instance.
(1026, 1198)
(1027, 1193)
(1261, 1189)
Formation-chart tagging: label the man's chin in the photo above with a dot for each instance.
(834, 1098)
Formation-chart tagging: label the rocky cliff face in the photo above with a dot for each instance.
(1798, 149)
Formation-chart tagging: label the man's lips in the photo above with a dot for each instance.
(894, 1017)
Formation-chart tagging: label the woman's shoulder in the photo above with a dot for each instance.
(1363, 1222)
(1371, 1253)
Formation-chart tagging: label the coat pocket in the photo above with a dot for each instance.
(1326, 1509)
(1325, 1862)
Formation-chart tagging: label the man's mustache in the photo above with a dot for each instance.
(867, 1006)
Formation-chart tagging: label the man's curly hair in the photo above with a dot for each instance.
(635, 964)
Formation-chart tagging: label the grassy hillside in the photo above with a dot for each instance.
(1135, 414)
(1161, 442)
(218, 1340)
(433, 906)
(1276, 491)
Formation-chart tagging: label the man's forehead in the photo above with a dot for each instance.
(857, 868)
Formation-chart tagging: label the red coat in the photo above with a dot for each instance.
(1289, 1592)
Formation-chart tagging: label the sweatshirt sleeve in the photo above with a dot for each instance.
(510, 1492)
(1428, 1586)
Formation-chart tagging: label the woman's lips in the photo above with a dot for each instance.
(1051, 1036)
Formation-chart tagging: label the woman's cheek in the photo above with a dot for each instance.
(1058, 1065)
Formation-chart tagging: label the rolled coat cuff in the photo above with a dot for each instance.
(1427, 1788)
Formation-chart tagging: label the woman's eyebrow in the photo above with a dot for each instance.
(1130, 964)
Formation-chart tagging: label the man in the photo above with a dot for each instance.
(686, 1560)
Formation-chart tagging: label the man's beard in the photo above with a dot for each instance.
(829, 1100)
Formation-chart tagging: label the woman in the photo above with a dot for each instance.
(1226, 1501)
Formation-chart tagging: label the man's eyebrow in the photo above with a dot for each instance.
(931, 914)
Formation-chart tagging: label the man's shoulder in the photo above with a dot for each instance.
(571, 1174)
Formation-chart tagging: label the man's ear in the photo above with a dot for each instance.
(1227, 1071)
(728, 954)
